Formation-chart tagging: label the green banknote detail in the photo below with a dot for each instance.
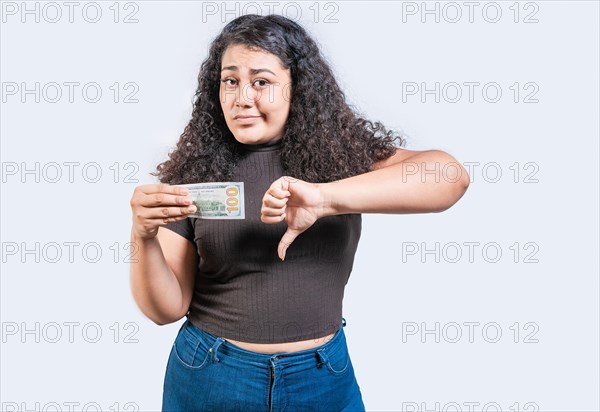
(217, 200)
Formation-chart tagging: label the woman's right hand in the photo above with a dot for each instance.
(154, 205)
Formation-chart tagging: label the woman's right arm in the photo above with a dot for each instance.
(163, 271)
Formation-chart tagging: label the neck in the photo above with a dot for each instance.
(262, 147)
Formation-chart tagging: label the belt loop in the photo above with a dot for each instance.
(214, 348)
(322, 358)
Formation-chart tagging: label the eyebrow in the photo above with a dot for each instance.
(252, 71)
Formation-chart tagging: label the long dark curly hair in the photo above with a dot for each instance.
(324, 140)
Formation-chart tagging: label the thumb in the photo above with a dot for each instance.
(284, 183)
(285, 242)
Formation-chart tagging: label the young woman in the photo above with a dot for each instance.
(263, 295)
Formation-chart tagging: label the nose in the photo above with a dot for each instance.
(246, 95)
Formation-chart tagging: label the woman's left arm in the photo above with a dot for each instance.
(408, 182)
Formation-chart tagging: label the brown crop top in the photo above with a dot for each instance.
(243, 291)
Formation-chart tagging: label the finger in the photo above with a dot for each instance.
(273, 202)
(278, 192)
(164, 220)
(163, 212)
(162, 199)
(290, 179)
(272, 219)
(271, 211)
(163, 188)
(285, 242)
(171, 219)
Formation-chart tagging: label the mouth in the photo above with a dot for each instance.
(246, 119)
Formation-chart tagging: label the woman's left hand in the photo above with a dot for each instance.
(300, 203)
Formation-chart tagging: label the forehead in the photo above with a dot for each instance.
(244, 58)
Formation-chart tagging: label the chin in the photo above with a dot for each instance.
(248, 138)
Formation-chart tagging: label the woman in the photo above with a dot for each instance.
(263, 295)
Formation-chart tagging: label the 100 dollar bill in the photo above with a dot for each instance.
(217, 200)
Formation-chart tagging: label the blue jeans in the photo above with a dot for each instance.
(207, 373)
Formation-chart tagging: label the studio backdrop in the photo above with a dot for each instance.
(491, 305)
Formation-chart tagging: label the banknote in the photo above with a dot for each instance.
(217, 200)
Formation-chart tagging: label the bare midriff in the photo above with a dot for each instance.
(269, 348)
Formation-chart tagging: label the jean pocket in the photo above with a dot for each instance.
(338, 360)
(189, 350)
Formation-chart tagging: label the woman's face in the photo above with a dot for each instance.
(255, 94)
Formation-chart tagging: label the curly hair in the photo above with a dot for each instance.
(324, 140)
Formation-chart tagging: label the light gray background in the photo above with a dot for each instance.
(373, 51)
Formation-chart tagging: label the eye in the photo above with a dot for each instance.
(224, 81)
(266, 82)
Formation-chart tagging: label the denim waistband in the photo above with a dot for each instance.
(218, 344)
